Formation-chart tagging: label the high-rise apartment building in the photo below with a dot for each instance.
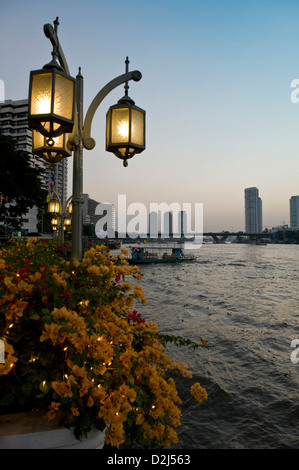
(153, 225)
(167, 224)
(294, 212)
(183, 227)
(89, 208)
(253, 211)
(13, 123)
(104, 220)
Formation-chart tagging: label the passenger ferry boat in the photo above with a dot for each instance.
(164, 253)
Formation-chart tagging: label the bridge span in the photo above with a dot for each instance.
(218, 237)
(221, 237)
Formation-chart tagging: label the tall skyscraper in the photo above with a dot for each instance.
(294, 212)
(89, 207)
(182, 228)
(89, 212)
(167, 224)
(153, 228)
(253, 211)
(104, 219)
(13, 123)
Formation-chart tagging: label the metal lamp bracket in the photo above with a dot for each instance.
(51, 33)
(88, 141)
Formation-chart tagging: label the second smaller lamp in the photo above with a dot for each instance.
(125, 127)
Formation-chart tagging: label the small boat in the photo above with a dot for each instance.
(259, 242)
(158, 254)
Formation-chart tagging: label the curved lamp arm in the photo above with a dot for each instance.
(88, 141)
(66, 203)
(51, 33)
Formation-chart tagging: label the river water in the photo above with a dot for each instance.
(244, 299)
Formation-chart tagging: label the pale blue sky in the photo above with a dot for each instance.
(216, 89)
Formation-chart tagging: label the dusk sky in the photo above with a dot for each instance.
(216, 87)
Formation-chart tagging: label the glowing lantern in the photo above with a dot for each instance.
(51, 100)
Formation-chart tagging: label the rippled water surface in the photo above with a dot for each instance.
(245, 300)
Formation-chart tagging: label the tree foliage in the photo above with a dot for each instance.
(20, 184)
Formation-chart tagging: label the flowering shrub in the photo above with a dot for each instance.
(77, 348)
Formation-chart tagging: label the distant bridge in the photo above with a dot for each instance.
(221, 237)
(218, 237)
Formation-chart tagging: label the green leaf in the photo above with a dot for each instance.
(177, 340)
(131, 418)
(35, 316)
(31, 377)
(7, 400)
(22, 400)
(131, 379)
(26, 389)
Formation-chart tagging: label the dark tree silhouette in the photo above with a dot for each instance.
(20, 184)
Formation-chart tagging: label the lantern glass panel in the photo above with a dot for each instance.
(38, 140)
(50, 153)
(120, 126)
(63, 99)
(137, 127)
(41, 93)
(41, 141)
(122, 151)
(58, 142)
(46, 126)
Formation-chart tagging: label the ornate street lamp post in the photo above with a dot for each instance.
(56, 108)
(61, 213)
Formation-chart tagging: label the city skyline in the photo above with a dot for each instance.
(216, 87)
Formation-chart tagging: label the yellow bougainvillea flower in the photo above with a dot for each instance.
(199, 393)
